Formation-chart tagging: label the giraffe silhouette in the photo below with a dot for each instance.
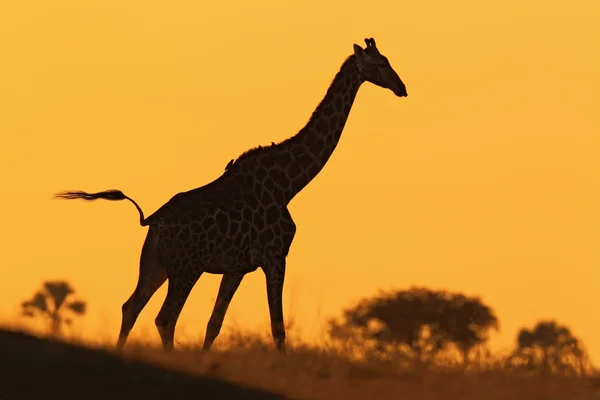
(240, 221)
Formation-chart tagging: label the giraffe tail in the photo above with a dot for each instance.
(112, 195)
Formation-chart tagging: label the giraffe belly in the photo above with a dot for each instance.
(218, 241)
(226, 258)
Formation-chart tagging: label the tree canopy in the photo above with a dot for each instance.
(550, 348)
(419, 322)
(51, 304)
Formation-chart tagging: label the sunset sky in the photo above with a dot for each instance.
(484, 180)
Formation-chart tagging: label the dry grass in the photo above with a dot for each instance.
(308, 372)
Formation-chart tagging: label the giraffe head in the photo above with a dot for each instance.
(376, 68)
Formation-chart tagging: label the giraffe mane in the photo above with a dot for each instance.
(249, 153)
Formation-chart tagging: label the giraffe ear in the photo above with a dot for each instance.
(358, 50)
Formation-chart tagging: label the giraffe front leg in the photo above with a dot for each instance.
(229, 284)
(275, 274)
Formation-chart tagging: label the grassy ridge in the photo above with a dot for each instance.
(33, 368)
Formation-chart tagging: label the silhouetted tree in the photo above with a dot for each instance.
(466, 322)
(51, 303)
(550, 348)
(419, 321)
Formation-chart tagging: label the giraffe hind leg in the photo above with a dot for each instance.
(151, 277)
(180, 287)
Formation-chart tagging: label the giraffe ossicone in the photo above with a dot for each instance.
(240, 221)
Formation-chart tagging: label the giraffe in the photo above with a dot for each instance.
(240, 221)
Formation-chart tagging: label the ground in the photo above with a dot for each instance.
(34, 368)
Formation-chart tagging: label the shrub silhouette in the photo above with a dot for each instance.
(51, 304)
(550, 348)
(418, 322)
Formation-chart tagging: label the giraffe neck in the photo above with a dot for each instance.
(304, 155)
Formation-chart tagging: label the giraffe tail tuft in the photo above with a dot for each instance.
(114, 195)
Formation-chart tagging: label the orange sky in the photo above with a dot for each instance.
(486, 179)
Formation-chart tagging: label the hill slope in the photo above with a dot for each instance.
(33, 368)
